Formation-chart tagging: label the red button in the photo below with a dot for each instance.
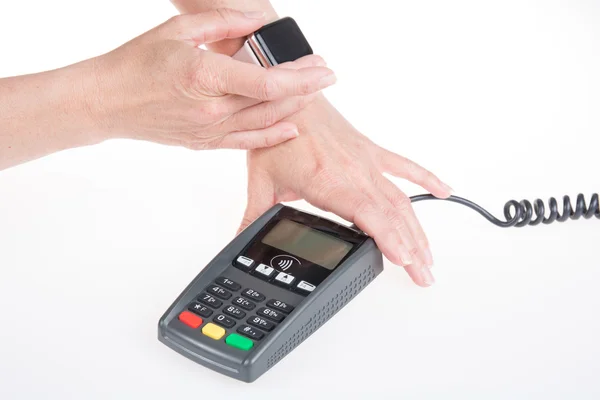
(190, 319)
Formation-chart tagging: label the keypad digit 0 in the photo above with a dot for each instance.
(224, 321)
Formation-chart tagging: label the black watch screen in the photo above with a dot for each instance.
(282, 41)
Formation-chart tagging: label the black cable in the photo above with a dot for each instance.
(524, 210)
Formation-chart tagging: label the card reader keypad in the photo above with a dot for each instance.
(240, 316)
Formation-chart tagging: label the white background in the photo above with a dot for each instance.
(500, 98)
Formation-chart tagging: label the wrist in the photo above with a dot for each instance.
(82, 101)
(101, 100)
(102, 86)
(321, 120)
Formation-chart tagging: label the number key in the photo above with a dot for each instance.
(271, 314)
(253, 295)
(234, 312)
(224, 321)
(209, 300)
(262, 323)
(228, 283)
(280, 305)
(245, 304)
(219, 292)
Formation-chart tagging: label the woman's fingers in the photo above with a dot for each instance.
(350, 203)
(311, 60)
(236, 103)
(419, 272)
(253, 139)
(267, 84)
(382, 213)
(398, 210)
(266, 114)
(402, 167)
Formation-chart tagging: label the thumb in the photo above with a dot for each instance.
(261, 197)
(215, 25)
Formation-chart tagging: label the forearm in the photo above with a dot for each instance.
(44, 113)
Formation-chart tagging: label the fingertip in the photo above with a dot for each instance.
(312, 60)
(426, 276)
(290, 133)
(314, 79)
(447, 190)
(327, 80)
(288, 129)
(279, 133)
(255, 14)
(391, 249)
(421, 276)
(441, 194)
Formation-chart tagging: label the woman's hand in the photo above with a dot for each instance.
(161, 87)
(334, 167)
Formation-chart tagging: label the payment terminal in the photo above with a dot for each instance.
(269, 289)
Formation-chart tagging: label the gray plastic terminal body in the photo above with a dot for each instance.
(310, 312)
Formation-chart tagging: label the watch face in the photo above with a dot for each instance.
(283, 41)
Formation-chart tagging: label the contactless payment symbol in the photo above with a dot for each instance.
(284, 262)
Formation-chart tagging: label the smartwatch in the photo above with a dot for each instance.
(275, 43)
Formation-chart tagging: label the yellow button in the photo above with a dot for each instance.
(213, 331)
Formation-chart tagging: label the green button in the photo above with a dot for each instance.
(240, 342)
